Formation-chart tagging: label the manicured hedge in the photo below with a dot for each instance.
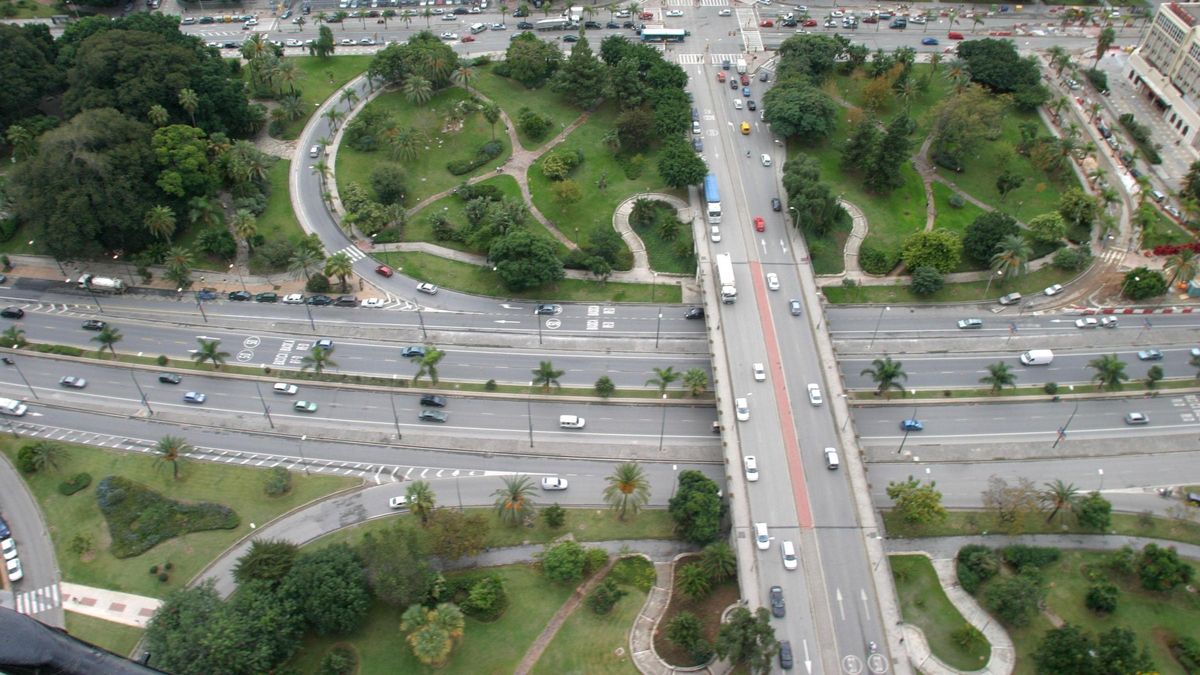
(74, 484)
(140, 518)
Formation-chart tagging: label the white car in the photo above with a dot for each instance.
(623, 14)
(675, 12)
(765, 159)
(9, 548)
(1053, 290)
(1086, 322)
(427, 288)
(751, 468)
(553, 483)
(347, 42)
(760, 373)
(788, 550)
(761, 538)
(571, 422)
(293, 299)
(772, 281)
(285, 388)
(400, 502)
(374, 302)
(714, 234)
(725, 12)
(742, 408)
(449, 36)
(293, 42)
(14, 569)
(814, 394)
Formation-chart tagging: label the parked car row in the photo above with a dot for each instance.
(8, 547)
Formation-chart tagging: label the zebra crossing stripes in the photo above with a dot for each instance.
(353, 252)
(38, 600)
(718, 59)
(689, 59)
(1113, 255)
(714, 3)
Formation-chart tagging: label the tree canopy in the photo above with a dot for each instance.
(696, 508)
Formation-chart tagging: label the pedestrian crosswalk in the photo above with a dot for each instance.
(689, 59)
(38, 600)
(353, 252)
(1113, 255)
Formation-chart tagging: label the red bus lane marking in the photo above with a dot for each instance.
(783, 403)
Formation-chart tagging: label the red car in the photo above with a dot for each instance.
(745, 80)
(955, 36)
(384, 271)
(720, 76)
(646, 16)
(766, 23)
(468, 38)
(809, 23)
(759, 225)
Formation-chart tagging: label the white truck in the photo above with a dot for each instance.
(725, 278)
(553, 24)
(741, 66)
(12, 407)
(575, 14)
(101, 284)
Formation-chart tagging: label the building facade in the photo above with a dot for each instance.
(1165, 68)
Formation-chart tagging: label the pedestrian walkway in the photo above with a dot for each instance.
(123, 608)
(35, 601)
(560, 617)
(641, 638)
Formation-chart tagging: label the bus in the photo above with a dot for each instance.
(664, 34)
(712, 199)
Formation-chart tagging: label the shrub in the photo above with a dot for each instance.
(605, 596)
(140, 518)
(164, 577)
(1101, 598)
(564, 562)
(486, 599)
(1122, 561)
(388, 181)
(957, 201)
(490, 385)
(61, 350)
(927, 281)
(338, 661)
(1141, 283)
(555, 516)
(74, 484)
(634, 571)
(486, 152)
(594, 559)
(468, 192)
(25, 460)
(278, 481)
(1050, 388)
(976, 564)
(1072, 259)
(534, 125)
(1098, 78)
(317, 283)
(877, 261)
(154, 569)
(8, 228)
(1013, 599)
(162, 360)
(1021, 556)
(686, 631)
(1187, 650)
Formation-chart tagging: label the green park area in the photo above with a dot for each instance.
(115, 637)
(924, 604)
(963, 523)
(315, 80)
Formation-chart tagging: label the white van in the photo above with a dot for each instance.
(788, 549)
(571, 422)
(761, 538)
(1037, 357)
(831, 458)
(12, 407)
(477, 28)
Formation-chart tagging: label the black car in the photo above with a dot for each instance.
(751, 104)
(694, 313)
(612, 24)
(460, 10)
(698, 144)
(733, 83)
(570, 38)
(777, 607)
(591, 24)
(319, 300)
(785, 655)
(267, 297)
(170, 378)
(240, 296)
(789, 23)
(410, 352)
(12, 312)
(346, 301)
(525, 25)
(428, 415)
(628, 24)
(433, 400)
(94, 324)
(547, 309)
(776, 205)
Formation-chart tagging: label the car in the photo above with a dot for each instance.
(911, 425)
(433, 400)
(788, 550)
(170, 378)
(207, 294)
(427, 288)
(547, 309)
(72, 382)
(751, 465)
(698, 144)
(194, 397)
(449, 36)
(751, 105)
(571, 422)
(346, 301)
(809, 23)
(714, 234)
(742, 408)
(746, 92)
(553, 483)
(794, 307)
(94, 324)
(760, 225)
(831, 459)
(324, 344)
(499, 26)
(430, 415)
(766, 23)
(1111, 322)
(765, 159)
(413, 351)
(399, 502)
(207, 19)
(725, 12)
(1150, 355)
(733, 84)
(468, 38)
(384, 271)
(374, 303)
(12, 312)
(786, 660)
(293, 299)
(929, 42)
(1086, 322)
(292, 42)
(240, 296)
(1053, 290)
(694, 313)
(14, 569)
(764, 76)
(319, 300)
(776, 205)
(9, 548)
(772, 281)
(970, 323)
(570, 38)
(737, 102)
(777, 607)
(267, 296)
(955, 35)
(623, 14)
(1136, 418)
(612, 24)
(814, 394)
(304, 406)
(188, 20)
(524, 25)
(720, 76)
(760, 373)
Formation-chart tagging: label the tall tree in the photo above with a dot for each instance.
(628, 490)
(432, 633)
(1181, 267)
(1110, 372)
(190, 102)
(999, 376)
(663, 378)
(696, 508)
(514, 501)
(582, 78)
(916, 502)
(339, 265)
(330, 588)
(1059, 497)
(210, 350)
(696, 380)
(317, 360)
(172, 449)
(428, 364)
(887, 375)
(421, 500)
(748, 638)
(1011, 256)
(1106, 38)
(106, 338)
(546, 376)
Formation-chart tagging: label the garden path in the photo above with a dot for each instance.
(560, 617)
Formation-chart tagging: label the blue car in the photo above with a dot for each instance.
(911, 425)
(411, 352)
(929, 41)
(746, 92)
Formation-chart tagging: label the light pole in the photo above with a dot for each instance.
(56, 262)
(87, 283)
(794, 214)
(236, 269)
(1100, 472)
(906, 431)
(300, 447)
(421, 318)
(117, 259)
(653, 285)
(1124, 285)
(1062, 431)
(658, 328)
(529, 412)
(674, 480)
(988, 288)
(266, 408)
(395, 417)
(662, 428)
(14, 365)
(145, 401)
(308, 308)
(877, 322)
(199, 304)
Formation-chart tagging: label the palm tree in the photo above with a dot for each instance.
(350, 97)
(663, 378)
(210, 350)
(303, 260)
(339, 265)
(547, 376)
(420, 500)
(1103, 41)
(627, 490)
(887, 374)
(44, 455)
(1059, 497)
(417, 89)
(22, 140)
(1110, 371)
(462, 76)
(107, 337)
(157, 115)
(292, 107)
(428, 365)
(719, 561)
(334, 116)
(696, 381)
(1012, 255)
(245, 226)
(318, 359)
(1059, 57)
(514, 501)
(491, 113)
(321, 168)
(204, 211)
(432, 632)
(14, 336)
(190, 102)
(172, 449)
(1181, 267)
(406, 143)
(999, 375)
(179, 262)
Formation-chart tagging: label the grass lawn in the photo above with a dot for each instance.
(512, 96)
(849, 87)
(238, 488)
(588, 643)
(950, 217)
(279, 220)
(662, 253)
(492, 648)
(1163, 230)
(427, 174)
(319, 79)
(595, 210)
(707, 609)
(1156, 618)
(971, 291)
(828, 252)
(978, 522)
(115, 637)
(924, 604)
(418, 228)
(481, 281)
(585, 524)
(28, 9)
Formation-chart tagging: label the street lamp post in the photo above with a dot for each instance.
(238, 271)
(988, 288)
(674, 482)
(29, 386)
(529, 412)
(56, 262)
(300, 447)
(1062, 431)
(877, 322)
(395, 417)
(200, 305)
(421, 318)
(308, 309)
(662, 427)
(658, 328)
(88, 285)
(117, 259)
(906, 431)
(653, 285)
(266, 408)
(145, 401)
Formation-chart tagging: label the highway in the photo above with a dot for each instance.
(908, 326)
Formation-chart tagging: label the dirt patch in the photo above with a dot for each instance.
(708, 610)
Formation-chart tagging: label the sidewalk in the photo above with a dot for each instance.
(123, 608)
